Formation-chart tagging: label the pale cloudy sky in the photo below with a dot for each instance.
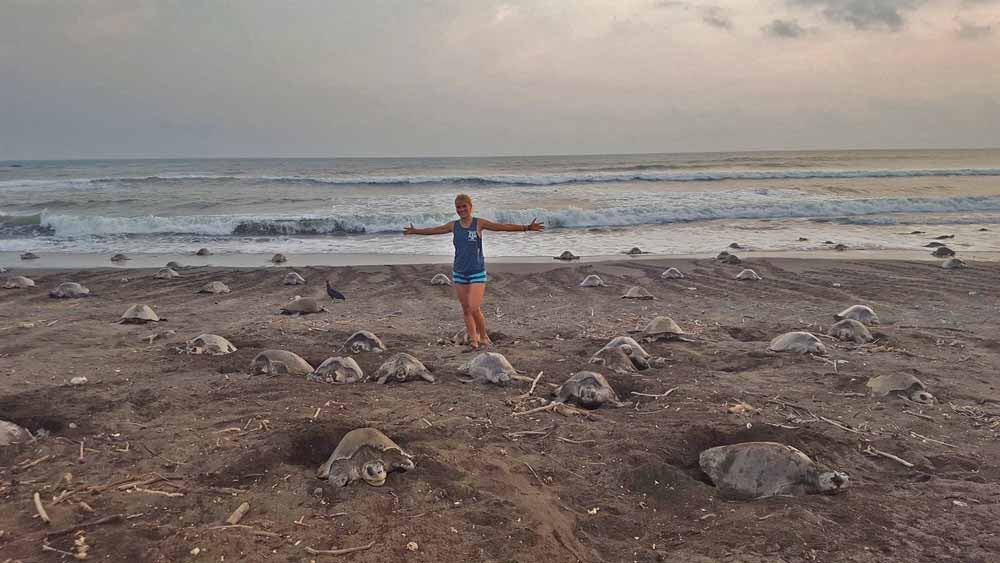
(132, 78)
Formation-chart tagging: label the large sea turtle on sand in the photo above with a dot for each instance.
(860, 313)
(209, 344)
(69, 290)
(567, 255)
(279, 362)
(593, 280)
(139, 314)
(639, 356)
(29, 256)
(753, 470)
(587, 389)
(933, 245)
(173, 265)
(11, 434)
(166, 274)
(637, 292)
(337, 370)
(797, 343)
(900, 384)
(953, 264)
(293, 278)
(748, 275)
(18, 282)
(440, 279)
(302, 306)
(635, 251)
(488, 367)
(203, 252)
(364, 341)
(279, 258)
(364, 454)
(215, 287)
(943, 252)
(851, 330)
(617, 359)
(119, 258)
(726, 258)
(662, 328)
(672, 274)
(402, 367)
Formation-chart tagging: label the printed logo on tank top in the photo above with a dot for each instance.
(472, 236)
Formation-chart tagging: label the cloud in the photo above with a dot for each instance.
(785, 29)
(716, 17)
(968, 30)
(864, 14)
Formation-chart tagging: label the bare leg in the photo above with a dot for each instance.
(476, 292)
(462, 291)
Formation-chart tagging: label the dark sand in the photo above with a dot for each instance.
(623, 486)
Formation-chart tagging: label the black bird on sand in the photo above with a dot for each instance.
(333, 293)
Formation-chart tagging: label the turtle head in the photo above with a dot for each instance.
(831, 481)
(922, 397)
(373, 472)
(590, 395)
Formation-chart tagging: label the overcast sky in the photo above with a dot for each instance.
(134, 78)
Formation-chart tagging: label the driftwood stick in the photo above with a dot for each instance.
(546, 407)
(540, 482)
(568, 441)
(344, 551)
(872, 451)
(922, 437)
(918, 415)
(238, 514)
(661, 395)
(534, 383)
(838, 425)
(81, 525)
(37, 499)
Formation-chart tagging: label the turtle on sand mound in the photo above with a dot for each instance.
(11, 434)
(954, 264)
(567, 255)
(663, 328)
(860, 313)
(203, 252)
(29, 256)
(337, 370)
(279, 362)
(637, 292)
(303, 306)
(488, 367)
(852, 330)
(617, 359)
(279, 259)
(216, 287)
(18, 282)
(166, 274)
(753, 470)
(364, 341)
(900, 384)
(797, 343)
(672, 274)
(69, 290)
(587, 389)
(139, 314)
(293, 278)
(840, 247)
(402, 367)
(364, 454)
(933, 245)
(209, 344)
(635, 251)
(119, 258)
(173, 265)
(593, 280)
(942, 252)
(726, 258)
(748, 275)
(440, 279)
(639, 356)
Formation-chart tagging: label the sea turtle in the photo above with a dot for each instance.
(29, 256)
(119, 258)
(942, 252)
(726, 258)
(11, 434)
(173, 265)
(637, 292)
(488, 367)
(840, 247)
(672, 274)
(279, 362)
(639, 356)
(943, 237)
(364, 454)
(364, 341)
(166, 274)
(203, 252)
(953, 264)
(567, 255)
(753, 470)
(139, 314)
(588, 389)
(593, 280)
(635, 250)
(860, 313)
(18, 282)
(748, 275)
(337, 370)
(214, 287)
(279, 258)
(803, 239)
(617, 359)
(663, 328)
(402, 367)
(735, 246)
(983, 230)
(440, 279)
(210, 344)
(303, 306)
(798, 343)
(69, 290)
(293, 278)
(933, 244)
(850, 329)
(901, 384)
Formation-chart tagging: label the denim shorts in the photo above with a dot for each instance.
(466, 279)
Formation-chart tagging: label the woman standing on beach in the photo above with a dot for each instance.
(469, 268)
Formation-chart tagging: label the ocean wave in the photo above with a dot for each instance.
(668, 210)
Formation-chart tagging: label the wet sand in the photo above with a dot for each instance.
(623, 485)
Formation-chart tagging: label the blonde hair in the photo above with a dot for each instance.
(463, 198)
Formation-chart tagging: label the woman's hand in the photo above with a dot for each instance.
(411, 230)
(535, 225)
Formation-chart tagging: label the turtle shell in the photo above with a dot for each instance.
(293, 278)
(491, 366)
(662, 326)
(440, 279)
(797, 342)
(593, 280)
(292, 362)
(166, 274)
(18, 282)
(748, 275)
(637, 292)
(69, 290)
(214, 287)
(139, 313)
(211, 344)
(567, 255)
(672, 274)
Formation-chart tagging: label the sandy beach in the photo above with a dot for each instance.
(174, 443)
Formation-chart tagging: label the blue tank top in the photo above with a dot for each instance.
(468, 248)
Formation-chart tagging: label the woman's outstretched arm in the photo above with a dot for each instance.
(487, 225)
(443, 229)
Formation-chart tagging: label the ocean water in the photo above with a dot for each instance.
(687, 203)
